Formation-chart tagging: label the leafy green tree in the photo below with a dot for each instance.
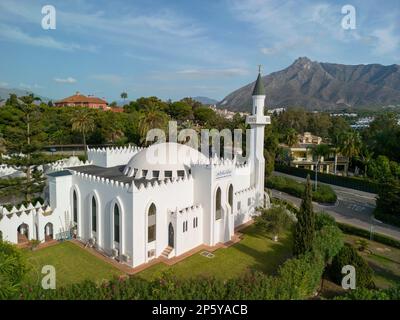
(191, 102)
(24, 138)
(83, 122)
(305, 227)
(180, 111)
(204, 115)
(275, 221)
(380, 169)
(383, 135)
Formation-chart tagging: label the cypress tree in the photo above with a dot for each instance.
(305, 226)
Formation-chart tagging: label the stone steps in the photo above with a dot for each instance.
(166, 252)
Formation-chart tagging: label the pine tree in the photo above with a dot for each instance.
(24, 138)
(305, 226)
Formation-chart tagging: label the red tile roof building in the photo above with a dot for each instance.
(83, 101)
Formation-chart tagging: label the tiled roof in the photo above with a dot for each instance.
(80, 98)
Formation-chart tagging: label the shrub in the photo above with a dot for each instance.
(274, 220)
(299, 277)
(324, 193)
(349, 256)
(392, 293)
(323, 219)
(12, 269)
(328, 242)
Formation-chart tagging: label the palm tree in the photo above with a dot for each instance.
(350, 145)
(319, 151)
(151, 118)
(335, 146)
(291, 137)
(124, 96)
(366, 157)
(83, 122)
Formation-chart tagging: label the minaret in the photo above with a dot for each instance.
(257, 122)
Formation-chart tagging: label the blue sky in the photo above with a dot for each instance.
(179, 48)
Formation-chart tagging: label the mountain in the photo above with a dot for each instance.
(205, 100)
(323, 86)
(5, 94)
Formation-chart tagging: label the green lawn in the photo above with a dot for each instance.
(384, 260)
(72, 263)
(255, 252)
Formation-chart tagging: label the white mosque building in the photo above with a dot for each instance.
(134, 209)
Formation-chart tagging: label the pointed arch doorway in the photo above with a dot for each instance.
(170, 235)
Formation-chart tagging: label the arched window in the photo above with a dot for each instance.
(75, 206)
(151, 223)
(116, 223)
(94, 214)
(230, 197)
(218, 209)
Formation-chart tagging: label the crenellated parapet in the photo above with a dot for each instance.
(159, 184)
(115, 150)
(29, 210)
(67, 163)
(188, 210)
(245, 191)
(6, 170)
(101, 180)
(114, 156)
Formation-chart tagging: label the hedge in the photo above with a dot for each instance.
(324, 193)
(366, 234)
(347, 182)
(387, 218)
(392, 293)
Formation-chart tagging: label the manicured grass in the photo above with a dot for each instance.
(255, 252)
(383, 259)
(72, 264)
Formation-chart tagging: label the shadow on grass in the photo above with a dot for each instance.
(384, 272)
(267, 261)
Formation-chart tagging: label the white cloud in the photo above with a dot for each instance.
(14, 34)
(386, 41)
(65, 80)
(3, 84)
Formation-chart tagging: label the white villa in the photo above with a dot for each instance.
(133, 208)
